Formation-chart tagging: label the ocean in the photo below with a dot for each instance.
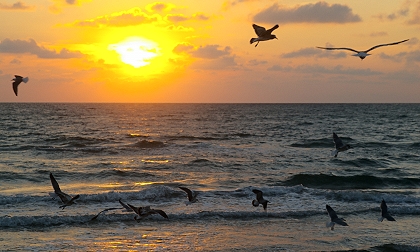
(142, 153)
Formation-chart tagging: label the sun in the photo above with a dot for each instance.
(136, 51)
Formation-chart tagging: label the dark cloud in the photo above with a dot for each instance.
(320, 12)
(314, 52)
(257, 62)
(30, 46)
(16, 6)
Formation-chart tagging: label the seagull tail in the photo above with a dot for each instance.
(26, 79)
(334, 153)
(253, 40)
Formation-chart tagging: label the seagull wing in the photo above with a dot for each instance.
(258, 193)
(105, 210)
(15, 86)
(188, 191)
(129, 209)
(338, 48)
(269, 31)
(337, 141)
(331, 213)
(161, 212)
(395, 43)
(135, 209)
(259, 30)
(384, 211)
(54, 184)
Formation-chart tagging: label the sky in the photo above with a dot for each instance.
(190, 51)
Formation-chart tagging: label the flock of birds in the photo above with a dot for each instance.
(263, 35)
(142, 212)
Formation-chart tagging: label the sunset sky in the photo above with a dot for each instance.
(199, 51)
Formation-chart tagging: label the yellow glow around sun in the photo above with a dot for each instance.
(136, 51)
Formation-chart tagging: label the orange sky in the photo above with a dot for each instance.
(199, 51)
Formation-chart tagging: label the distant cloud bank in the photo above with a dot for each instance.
(320, 12)
(30, 46)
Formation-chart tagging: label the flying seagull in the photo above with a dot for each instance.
(146, 211)
(192, 196)
(339, 146)
(16, 81)
(334, 218)
(260, 199)
(127, 209)
(65, 198)
(263, 34)
(384, 212)
(362, 54)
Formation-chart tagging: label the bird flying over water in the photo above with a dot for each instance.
(362, 54)
(263, 34)
(339, 146)
(127, 209)
(334, 218)
(16, 81)
(260, 199)
(192, 196)
(384, 212)
(65, 198)
(146, 211)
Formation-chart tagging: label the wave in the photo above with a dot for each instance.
(327, 181)
(149, 144)
(314, 143)
(391, 247)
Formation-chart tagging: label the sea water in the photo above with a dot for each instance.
(142, 153)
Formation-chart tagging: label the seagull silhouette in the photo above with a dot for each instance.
(65, 198)
(263, 34)
(260, 199)
(384, 212)
(339, 146)
(146, 211)
(192, 196)
(334, 218)
(16, 81)
(362, 54)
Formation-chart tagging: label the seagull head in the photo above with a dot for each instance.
(273, 36)
(361, 55)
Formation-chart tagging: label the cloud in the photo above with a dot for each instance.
(320, 12)
(415, 18)
(134, 16)
(313, 52)
(175, 18)
(16, 6)
(159, 7)
(206, 52)
(317, 69)
(209, 57)
(257, 62)
(60, 4)
(402, 12)
(413, 56)
(30, 46)
(378, 34)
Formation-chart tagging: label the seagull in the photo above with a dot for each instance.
(192, 196)
(263, 34)
(65, 198)
(334, 218)
(384, 212)
(17, 80)
(260, 199)
(362, 54)
(127, 209)
(339, 146)
(146, 211)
